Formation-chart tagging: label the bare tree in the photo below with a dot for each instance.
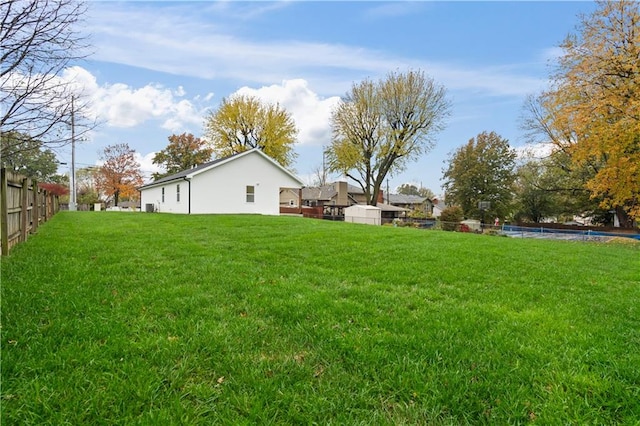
(321, 174)
(39, 39)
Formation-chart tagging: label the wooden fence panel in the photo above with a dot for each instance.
(23, 207)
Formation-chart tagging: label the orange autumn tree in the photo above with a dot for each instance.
(120, 174)
(594, 105)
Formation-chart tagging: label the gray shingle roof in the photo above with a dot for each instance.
(390, 208)
(184, 173)
(318, 192)
(326, 192)
(406, 199)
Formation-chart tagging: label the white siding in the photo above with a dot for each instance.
(170, 204)
(223, 189)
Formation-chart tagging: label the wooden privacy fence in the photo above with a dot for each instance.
(23, 206)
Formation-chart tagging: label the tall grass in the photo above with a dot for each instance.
(122, 318)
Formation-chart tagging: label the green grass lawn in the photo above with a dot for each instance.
(124, 318)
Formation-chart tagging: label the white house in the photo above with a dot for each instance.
(248, 182)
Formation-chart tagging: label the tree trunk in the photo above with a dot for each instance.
(624, 219)
(373, 201)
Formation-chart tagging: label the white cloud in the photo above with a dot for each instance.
(311, 113)
(183, 112)
(552, 54)
(147, 166)
(123, 106)
(246, 11)
(535, 150)
(392, 10)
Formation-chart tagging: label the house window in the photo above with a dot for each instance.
(163, 194)
(251, 192)
(178, 193)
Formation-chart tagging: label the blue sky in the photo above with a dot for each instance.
(158, 68)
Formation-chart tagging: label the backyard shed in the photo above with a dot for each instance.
(361, 213)
(245, 183)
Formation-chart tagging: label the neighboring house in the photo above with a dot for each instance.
(438, 207)
(289, 197)
(249, 182)
(389, 212)
(327, 201)
(333, 194)
(411, 202)
(331, 201)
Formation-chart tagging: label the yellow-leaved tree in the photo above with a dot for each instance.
(592, 110)
(245, 122)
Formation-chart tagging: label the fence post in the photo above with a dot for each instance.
(35, 211)
(24, 210)
(4, 212)
(44, 205)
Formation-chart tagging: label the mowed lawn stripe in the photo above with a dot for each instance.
(124, 318)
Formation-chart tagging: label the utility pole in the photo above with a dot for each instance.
(72, 192)
(388, 192)
(323, 179)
